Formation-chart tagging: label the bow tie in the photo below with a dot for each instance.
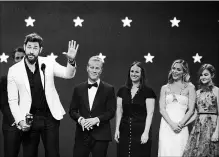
(92, 85)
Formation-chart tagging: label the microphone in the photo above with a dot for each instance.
(43, 67)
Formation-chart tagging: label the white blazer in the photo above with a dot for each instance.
(19, 94)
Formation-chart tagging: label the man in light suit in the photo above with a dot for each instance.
(12, 135)
(31, 89)
(93, 106)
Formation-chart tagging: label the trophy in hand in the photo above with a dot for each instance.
(29, 119)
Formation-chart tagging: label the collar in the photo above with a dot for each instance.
(98, 82)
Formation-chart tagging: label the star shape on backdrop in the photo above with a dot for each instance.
(149, 58)
(126, 22)
(197, 58)
(29, 21)
(102, 57)
(52, 56)
(3, 58)
(78, 21)
(175, 22)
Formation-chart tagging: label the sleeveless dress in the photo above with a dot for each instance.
(199, 143)
(172, 144)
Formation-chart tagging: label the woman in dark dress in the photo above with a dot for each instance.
(135, 107)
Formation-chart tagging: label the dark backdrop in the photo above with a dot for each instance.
(103, 32)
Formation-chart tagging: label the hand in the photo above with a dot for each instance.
(214, 137)
(24, 126)
(82, 122)
(175, 127)
(90, 122)
(144, 138)
(116, 136)
(181, 125)
(72, 50)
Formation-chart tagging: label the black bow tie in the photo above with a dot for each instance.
(94, 85)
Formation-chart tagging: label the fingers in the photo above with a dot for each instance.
(116, 137)
(77, 48)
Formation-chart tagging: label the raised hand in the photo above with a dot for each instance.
(72, 50)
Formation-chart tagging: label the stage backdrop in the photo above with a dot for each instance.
(121, 31)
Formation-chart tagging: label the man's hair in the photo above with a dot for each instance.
(95, 58)
(34, 37)
(18, 49)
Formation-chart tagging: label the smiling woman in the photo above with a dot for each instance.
(135, 107)
(203, 140)
(177, 101)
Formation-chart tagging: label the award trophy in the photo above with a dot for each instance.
(29, 119)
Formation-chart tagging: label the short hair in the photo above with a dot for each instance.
(142, 79)
(208, 67)
(185, 67)
(97, 59)
(18, 49)
(34, 37)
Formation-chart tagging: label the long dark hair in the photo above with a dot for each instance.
(186, 76)
(212, 71)
(143, 75)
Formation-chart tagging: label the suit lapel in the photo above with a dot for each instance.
(98, 95)
(24, 76)
(85, 95)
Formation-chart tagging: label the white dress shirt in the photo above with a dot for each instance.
(92, 93)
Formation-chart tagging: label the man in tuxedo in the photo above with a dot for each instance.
(12, 135)
(93, 106)
(31, 90)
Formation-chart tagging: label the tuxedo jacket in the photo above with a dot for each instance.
(8, 118)
(19, 93)
(104, 106)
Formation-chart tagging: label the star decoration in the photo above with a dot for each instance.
(102, 57)
(149, 58)
(29, 21)
(197, 58)
(3, 58)
(78, 21)
(52, 56)
(126, 22)
(175, 22)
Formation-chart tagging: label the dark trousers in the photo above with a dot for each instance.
(47, 128)
(98, 149)
(12, 142)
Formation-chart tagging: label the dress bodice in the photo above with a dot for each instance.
(206, 102)
(176, 104)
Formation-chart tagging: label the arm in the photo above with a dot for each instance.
(119, 111)
(192, 98)
(70, 70)
(74, 109)
(162, 103)
(67, 72)
(110, 107)
(215, 136)
(4, 101)
(13, 97)
(150, 111)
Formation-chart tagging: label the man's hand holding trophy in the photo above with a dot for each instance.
(25, 125)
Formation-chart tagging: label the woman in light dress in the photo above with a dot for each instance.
(177, 102)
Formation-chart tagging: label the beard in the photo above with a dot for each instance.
(31, 60)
